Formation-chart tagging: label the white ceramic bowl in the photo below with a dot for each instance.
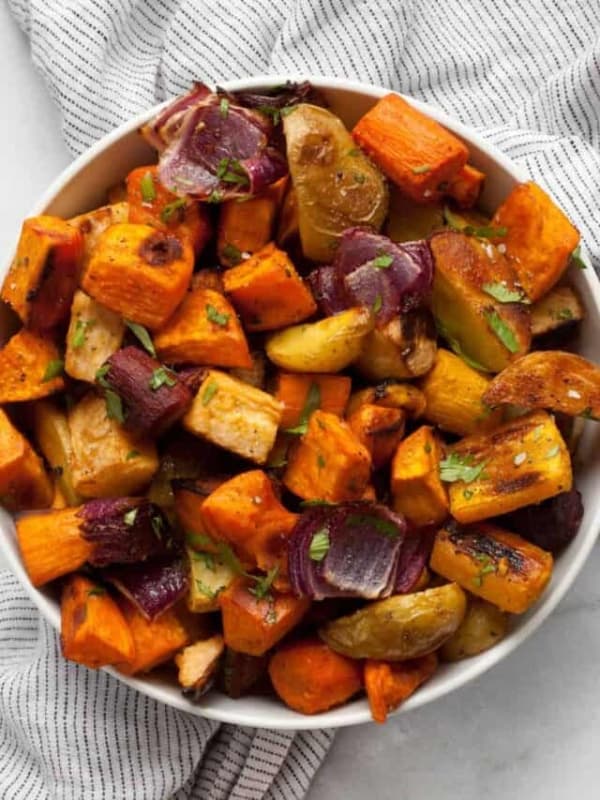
(83, 186)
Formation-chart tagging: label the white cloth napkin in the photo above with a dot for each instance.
(525, 72)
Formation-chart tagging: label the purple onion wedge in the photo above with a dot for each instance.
(164, 127)
(152, 587)
(414, 557)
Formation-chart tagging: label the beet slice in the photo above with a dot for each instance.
(551, 524)
(153, 587)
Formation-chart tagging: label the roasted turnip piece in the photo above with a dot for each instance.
(153, 396)
(152, 587)
(405, 347)
(197, 666)
(551, 524)
(561, 307)
(240, 672)
(124, 530)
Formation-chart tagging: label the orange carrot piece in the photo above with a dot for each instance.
(379, 429)
(413, 150)
(51, 544)
(253, 625)
(310, 677)
(268, 292)
(293, 389)
(24, 482)
(204, 330)
(465, 187)
(151, 203)
(389, 684)
(30, 368)
(93, 629)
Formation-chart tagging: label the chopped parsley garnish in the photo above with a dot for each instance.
(224, 107)
(554, 451)
(232, 254)
(311, 503)
(377, 304)
(54, 368)
(161, 377)
(147, 188)
(486, 569)
(209, 392)
(503, 294)
(421, 169)
(101, 374)
(272, 112)
(577, 259)
(207, 559)
(129, 517)
(319, 545)
(456, 347)
(383, 261)
(312, 402)
(562, 314)
(286, 110)
(214, 315)
(457, 223)
(97, 591)
(81, 327)
(132, 454)
(320, 461)
(457, 467)
(198, 540)
(171, 209)
(114, 406)
(206, 590)
(262, 587)
(157, 524)
(229, 170)
(359, 177)
(503, 331)
(215, 196)
(468, 494)
(142, 335)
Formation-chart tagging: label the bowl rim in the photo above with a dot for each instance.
(358, 711)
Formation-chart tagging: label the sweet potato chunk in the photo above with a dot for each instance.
(235, 416)
(465, 187)
(390, 394)
(93, 630)
(417, 490)
(413, 150)
(470, 276)
(454, 393)
(95, 333)
(379, 429)
(253, 625)
(549, 379)
(301, 394)
(246, 513)
(51, 544)
(520, 463)
(151, 203)
(107, 460)
(539, 239)
(329, 462)
(188, 499)
(204, 330)
(24, 483)
(30, 367)
(268, 292)
(492, 563)
(54, 439)
(93, 223)
(388, 684)
(43, 276)
(561, 306)
(139, 272)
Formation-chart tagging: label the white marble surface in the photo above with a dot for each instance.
(530, 728)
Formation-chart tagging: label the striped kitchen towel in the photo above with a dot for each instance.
(526, 73)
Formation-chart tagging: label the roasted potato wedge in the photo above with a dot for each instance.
(95, 333)
(403, 626)
(409, 221)
(560, 307)
(482, 627)
(404, 348)
(336, 185)
(328, 345)
(209, 576)
(54, 439)
(390, 394)
(549, 379)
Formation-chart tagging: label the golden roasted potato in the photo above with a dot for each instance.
(549, 379)
(561, 306)
(409, 221)
(403, 626)
(95, 333)
(404, 348)
(482, 627)
(336, 185)
(209, 576)
(93, 223)
(54, 439)
(329, 345)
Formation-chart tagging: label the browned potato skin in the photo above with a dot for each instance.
(462, 268)
(402, 627)
(336, 185)
(483, 626)
(404, 348)
(549, 379)
(561, 306)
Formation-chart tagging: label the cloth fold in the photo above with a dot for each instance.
(526, 73)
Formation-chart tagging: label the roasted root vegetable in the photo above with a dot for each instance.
(235, 416)
(30, 368)
(501, 567)
(204, 330)
(409, 221)
(93, 630)
(413, 150)
(523, 461)
(417, 490)
(539, 238)
(107, 460)
(23, 480)
(139, 272)
(560, 307)
(336, 185)
(311, 678)
(454, 394)
(53, 436)
(551, 524)
(329, 462)
(391, 394)
(43, 275)
(465, 187)
(268, 292)
(198, 664)
(300, 395)
(255, 374)
(483, 626)
(389, 684)
(401, 627)
(94, 334)
(241, 672)
(403, 348)
(477, 301)
(329, 345)
(188, 499)
(209, 576)
(549, 379)
(379, 429)
(93, 223)
(252, 622)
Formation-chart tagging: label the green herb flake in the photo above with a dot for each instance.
(171, 209)
(577, 259)
(129, 517)
(232, 253)
(198, 540)
(485, 570)
(312, 402)
(359, 177)
(215, 196)
(142, 336)
(114, 406)
(53, 370)
(320, 461)
(262, 588)
(456, 347)
(554, 451)
(383, 261)
(503, 294)
(229, 170)
(212, 387)
(316, 502)
(457, 467)
(421, 169)
(468, 494)
(214, 315)
(161, 377)
(503, 331)
(287, 110)
(101, 374)
(147, 188)
(97, 591)
(206, 590)
(457, 223)
(563, 314)
(158, 525)
(81, 328)
(271, 615)
(224, 107)
(537, 434)
(377, 304)
(132, 454)
(319, 545)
